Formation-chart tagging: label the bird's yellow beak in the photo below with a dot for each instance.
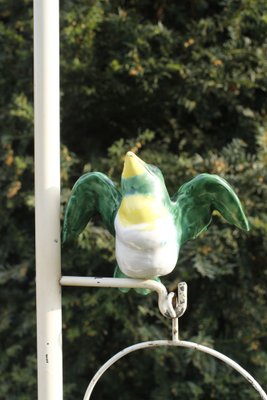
(133, 166)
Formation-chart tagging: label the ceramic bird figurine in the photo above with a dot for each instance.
(149, 226)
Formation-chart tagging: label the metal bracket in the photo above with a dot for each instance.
(170, 304)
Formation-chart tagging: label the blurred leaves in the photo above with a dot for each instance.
(183, 84)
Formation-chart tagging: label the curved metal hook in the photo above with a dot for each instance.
(165, 299)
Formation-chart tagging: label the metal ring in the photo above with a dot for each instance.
(173, 343)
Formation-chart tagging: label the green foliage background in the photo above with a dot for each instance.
(184, 83)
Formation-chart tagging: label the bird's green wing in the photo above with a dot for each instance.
(197, 199)
(93, 193)
(119, 274)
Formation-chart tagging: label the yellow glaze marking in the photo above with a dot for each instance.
(141, 209)
(133, 166)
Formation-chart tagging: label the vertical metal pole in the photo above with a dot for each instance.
(47, 199)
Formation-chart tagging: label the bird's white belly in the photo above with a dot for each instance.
(146, 253)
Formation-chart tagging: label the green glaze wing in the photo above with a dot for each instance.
(93, 193)
(119, 274)
(197, 199)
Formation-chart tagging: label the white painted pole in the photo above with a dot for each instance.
(47, 199)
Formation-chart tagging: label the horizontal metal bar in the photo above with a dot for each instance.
(93, 281)
(164, 298)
